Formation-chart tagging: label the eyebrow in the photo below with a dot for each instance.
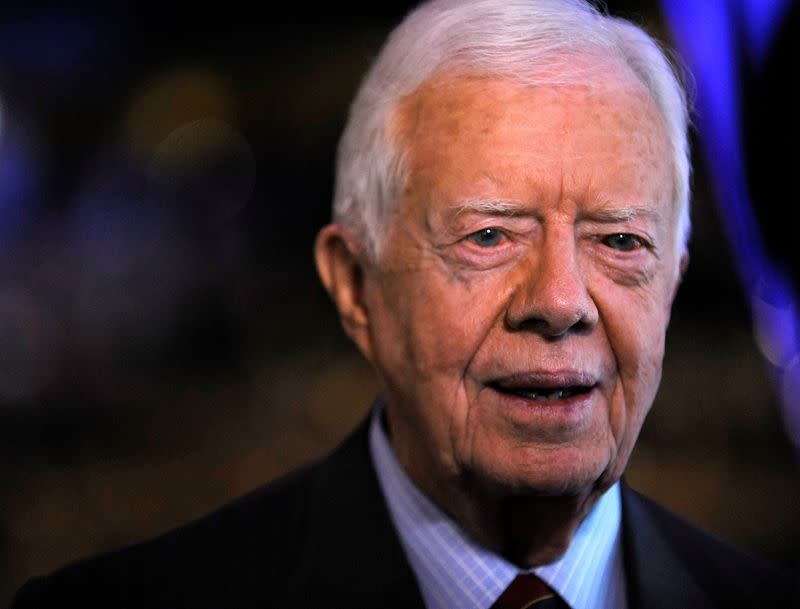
(609, 215)
(506, 207)
(491, 207)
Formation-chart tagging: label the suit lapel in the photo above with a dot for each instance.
(657, 577)
(354, 555)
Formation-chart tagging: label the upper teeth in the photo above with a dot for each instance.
(545, 395)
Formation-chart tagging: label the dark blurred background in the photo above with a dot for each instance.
(164, 343)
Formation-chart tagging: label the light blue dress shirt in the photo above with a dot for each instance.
(454, 572)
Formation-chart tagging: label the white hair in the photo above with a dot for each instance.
(532, 41)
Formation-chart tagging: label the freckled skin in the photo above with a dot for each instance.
(444, 316)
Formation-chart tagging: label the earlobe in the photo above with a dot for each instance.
(340, 267)
(684, 263)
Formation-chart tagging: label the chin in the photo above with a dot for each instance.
(549, 473)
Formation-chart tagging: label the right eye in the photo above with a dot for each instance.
(487, 237)
(623, 242)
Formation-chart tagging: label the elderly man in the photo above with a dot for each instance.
(510, 226)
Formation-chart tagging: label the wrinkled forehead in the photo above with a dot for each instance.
(466, 108)
(442, 94)
(606, 138)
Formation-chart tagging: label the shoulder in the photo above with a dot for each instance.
(281, 545)
(725, 574)
(203, 563)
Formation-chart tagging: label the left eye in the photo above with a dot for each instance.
(486, 237)
(623, 242)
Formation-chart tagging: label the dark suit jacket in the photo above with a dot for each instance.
(322, 537)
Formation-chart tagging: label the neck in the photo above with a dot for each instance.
(527, 530)
(524, 527)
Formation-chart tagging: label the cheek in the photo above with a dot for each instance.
(449, 318)
(638, 349)
(427, 328)
(427, 331)
(640, 366)
(636, 330)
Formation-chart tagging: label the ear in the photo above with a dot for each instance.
(681, 272)
(340, 264)
(684, 262)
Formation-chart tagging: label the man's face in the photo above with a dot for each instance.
(518, 311)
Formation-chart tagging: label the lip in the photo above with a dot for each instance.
(572, 411)
(545, 379)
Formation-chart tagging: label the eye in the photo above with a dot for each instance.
(623, 242)
(486, 237)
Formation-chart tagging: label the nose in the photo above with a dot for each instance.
(551, 297)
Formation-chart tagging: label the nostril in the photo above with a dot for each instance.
(553, 299)
(549, 330)
(554, 324)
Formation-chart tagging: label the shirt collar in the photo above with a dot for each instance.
(454, 571)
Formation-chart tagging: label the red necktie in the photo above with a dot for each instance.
(527, 590)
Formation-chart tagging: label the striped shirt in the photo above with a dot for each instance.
(455, 572)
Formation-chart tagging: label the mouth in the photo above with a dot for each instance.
(545, 387)
(541, 394)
